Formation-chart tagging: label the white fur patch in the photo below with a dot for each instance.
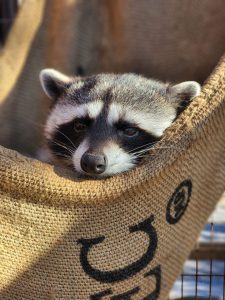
(94, 108)
(116, 111)
(151, 122)
(118, 160)
(197, 87)
(63, 114)
(83, 147)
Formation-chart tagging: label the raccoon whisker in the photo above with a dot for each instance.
(169, 147)
(142, 146)
(63, 144)
(65, 158)
(68, 157)
(142, 156)
(43, 126)
(136, 117)
(70, 150)
(66, 137)
(143, 151)
(153, 148)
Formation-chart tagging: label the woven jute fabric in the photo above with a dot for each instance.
(125, 237)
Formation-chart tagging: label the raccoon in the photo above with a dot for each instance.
(103, 124)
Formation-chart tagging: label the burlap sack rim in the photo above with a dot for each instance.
(41, 182)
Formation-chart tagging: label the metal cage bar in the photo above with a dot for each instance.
(203, 259)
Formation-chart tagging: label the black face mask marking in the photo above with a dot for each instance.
(128, 136)
(153, 105)
(135, 143)
(68, 137)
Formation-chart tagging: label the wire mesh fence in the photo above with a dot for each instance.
(203, 275)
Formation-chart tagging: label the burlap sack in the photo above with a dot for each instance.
(121, 238)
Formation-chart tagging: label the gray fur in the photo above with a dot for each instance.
(129, 89)
(152, 105)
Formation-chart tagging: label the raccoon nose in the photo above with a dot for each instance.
(93, 163)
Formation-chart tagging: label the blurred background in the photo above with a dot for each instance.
(167, 40)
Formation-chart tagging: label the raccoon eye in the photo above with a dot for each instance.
(80, 126)
(130, 131)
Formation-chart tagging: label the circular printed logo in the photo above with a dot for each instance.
(178, 203)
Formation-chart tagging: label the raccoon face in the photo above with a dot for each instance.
(104, 124)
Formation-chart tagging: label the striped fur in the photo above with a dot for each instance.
(118, 116)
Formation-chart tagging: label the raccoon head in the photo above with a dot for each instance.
(103, 124)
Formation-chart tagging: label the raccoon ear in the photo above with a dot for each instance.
(184, 92)
(54, 82)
